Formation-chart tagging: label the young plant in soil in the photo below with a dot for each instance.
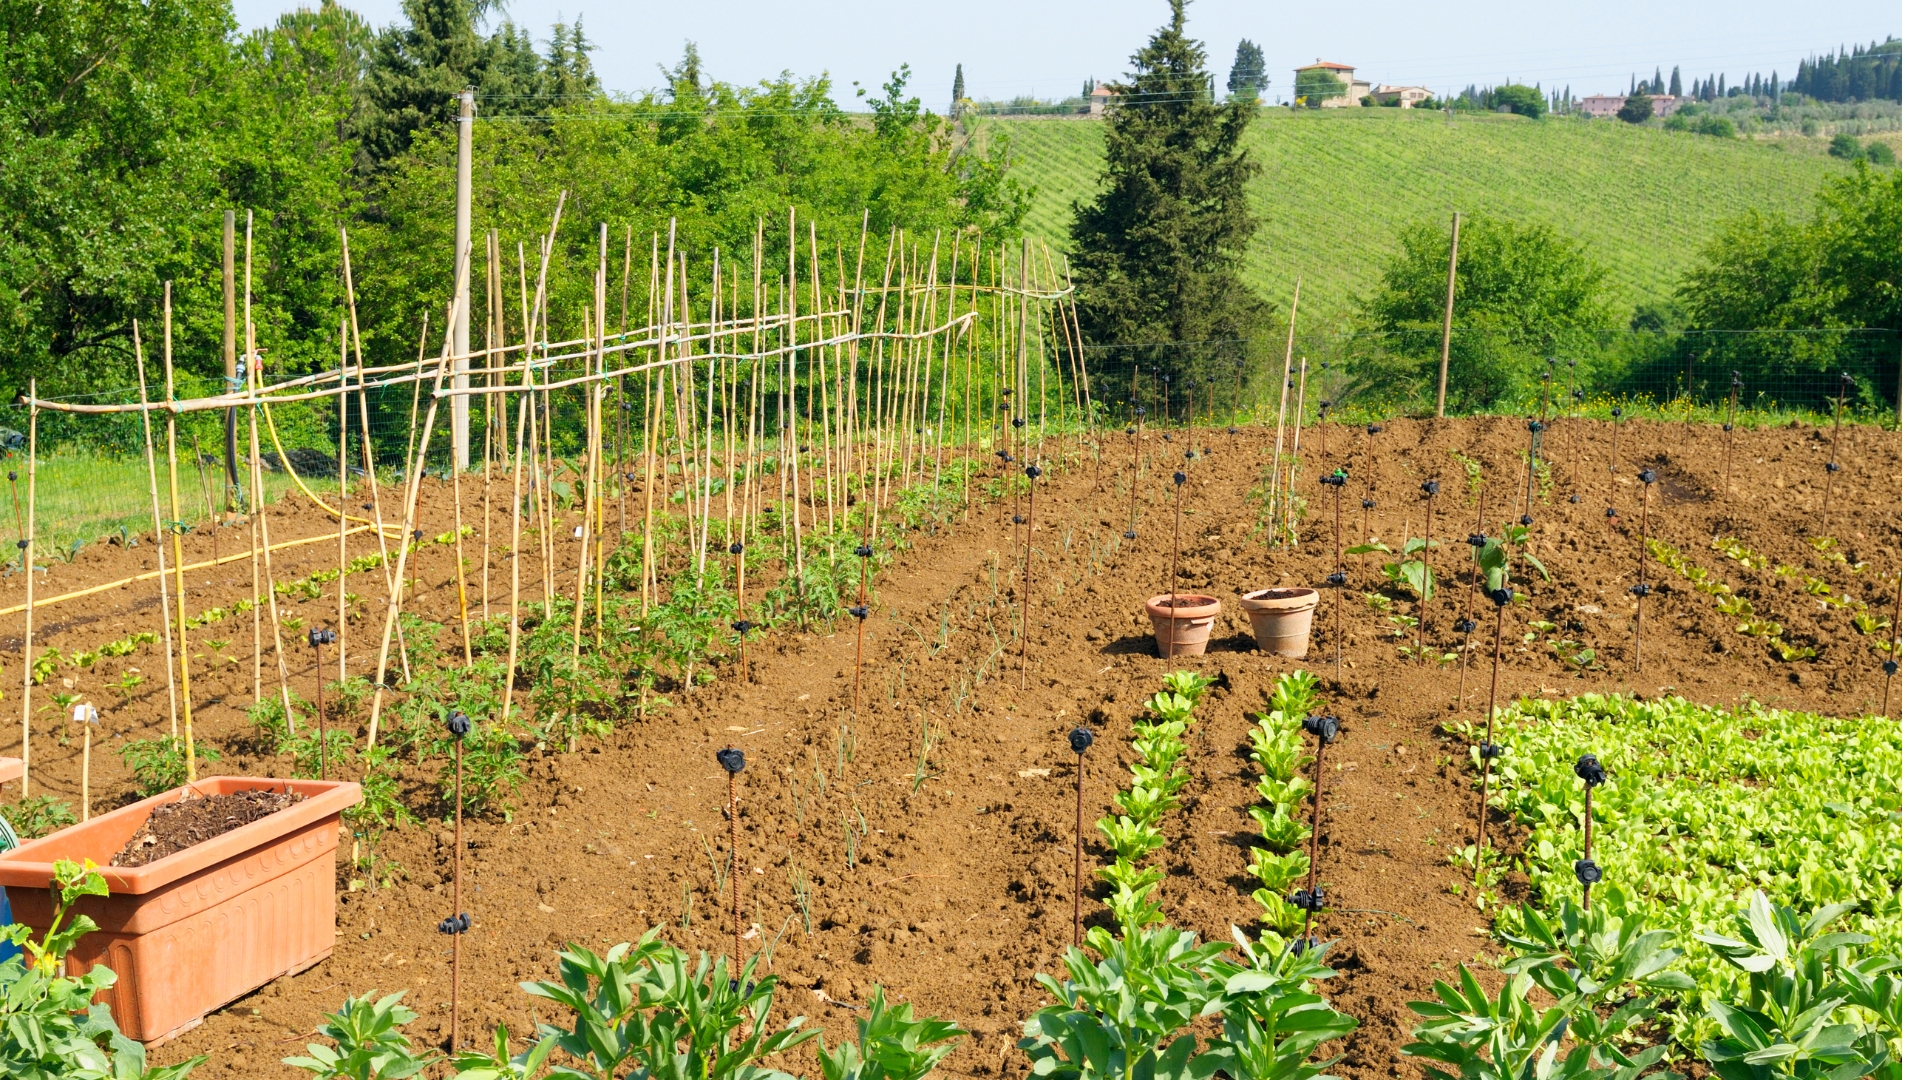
(1157, 780)
(1280, 752)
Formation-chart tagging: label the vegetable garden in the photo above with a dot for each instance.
(809, 676)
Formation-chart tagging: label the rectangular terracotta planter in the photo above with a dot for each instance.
(191, 932)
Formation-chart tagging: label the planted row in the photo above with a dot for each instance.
(1726, 602)
(1157, 780)
(1280, 753)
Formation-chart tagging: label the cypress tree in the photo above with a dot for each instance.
(421, 65)
(1159, 249)
(1249, 75)
(959, 87)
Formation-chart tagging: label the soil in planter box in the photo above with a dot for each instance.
(177, 826)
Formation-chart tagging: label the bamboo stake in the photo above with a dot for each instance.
(260, 502)
(1280, 429)
(159, 546)
(340, 587)
(26, 561)
(173, 490)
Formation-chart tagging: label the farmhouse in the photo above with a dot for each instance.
(1609, 104)
(1355, 88)
(1098, 100)
(1400, 97)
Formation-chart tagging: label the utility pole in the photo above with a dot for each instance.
(1446, 331)
(462, 302)
(226, 352)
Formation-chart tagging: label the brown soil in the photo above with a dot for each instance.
(945, 873)
(178, 826)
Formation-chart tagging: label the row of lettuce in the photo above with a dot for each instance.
(1749, 916)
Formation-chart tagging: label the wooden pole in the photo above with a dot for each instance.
(179, 575)
(26, 561)
(159, 547)
(1446, 327)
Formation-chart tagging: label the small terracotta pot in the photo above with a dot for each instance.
(196, 929)
(1282, 619)
(1183, 630)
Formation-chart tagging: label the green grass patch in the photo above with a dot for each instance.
(1337, 186)
(1701, 806)
(83, 497)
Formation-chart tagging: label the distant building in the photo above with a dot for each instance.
(1355, 88)
(1400, 97)
(1609, 104)
(1098, 100)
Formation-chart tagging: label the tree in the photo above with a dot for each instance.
(1524, 100)
(1313, 85)
(1837, 270)
(1673, 82)
(959, 91)
(1637, 109)
(1159, 248)
(1248, 79)
(1523, 291)
(419, 67)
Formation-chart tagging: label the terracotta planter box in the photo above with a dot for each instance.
(191, 932)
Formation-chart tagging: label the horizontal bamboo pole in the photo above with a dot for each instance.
(151, 574)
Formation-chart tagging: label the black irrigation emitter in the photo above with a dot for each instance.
(1501, 597)
(1833, 456)
(1026, 560)
(317, 637)
(1430, 489)
(734, 760)
(1640, 587)
(1337, 480)
(1079, 740)
(1313, 898)
(458, 727)
(1592, 775)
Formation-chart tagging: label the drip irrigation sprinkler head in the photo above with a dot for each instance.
(1374, 429)
(21, 544)
(1131, 535)
(317, 637)
(732, 759)
(1019, 421)
(1526, 519)
(1324, 406)
(1004, 407)
(1490, 750)
(1139, 410)
(458, 725)
(1314, 899)
(808, 449)
(1366, 504)
(1033, 472)
(626, 406)
(1302, 944)
(1003, 456)
(366, 506)
(1616, 412)
(1574, 498)
(1641, 589)
(1079, 739)
(1166, 437)
(1833, 466)
(1465, 626)
(1579, 395)
(736, 548)
(1431, 487)
(858, 611)
(1179, 478)
(12, 475)
(865, 551)
(1191, 455)
(1846, 379)
(1006, 391)
(456, 924)
(1231, 430)
(1647, 476)
(418, 535)
(741, 626)
(1476, 540)
(1501, 597)
(1586, 871)
(1726, 427)
(1322, 727)
(1019, 519)
(1891, 667)
(1588, 769)
(1535, 426)
(1611, 512)
(1130, 429)
(1337, 578)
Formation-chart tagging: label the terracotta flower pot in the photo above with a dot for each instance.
(194, 930)
(1282, 619)
(1183, 630)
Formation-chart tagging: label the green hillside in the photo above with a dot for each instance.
(1338, 185)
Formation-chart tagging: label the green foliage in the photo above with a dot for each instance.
(493, 772)
(1838, 268)
(1280, 753)
(39, 815)
(1315, 85)
(367, 1042)
(1685, 827)
(1410, 573)
(50, 1026)
(1248, 77)
(890, 1045)
(160, 763)
(1810, 1010)
(1637, 109)
(1125, 1015)
(1521, 100)
(1157, 780)
(644, 1008)
(1522, 288)
(1157, 250)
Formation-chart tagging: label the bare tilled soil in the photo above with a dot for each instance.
(931, 832)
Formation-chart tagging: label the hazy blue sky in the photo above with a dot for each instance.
(1048, 48)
